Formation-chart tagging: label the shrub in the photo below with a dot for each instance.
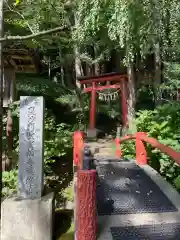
(163, 123)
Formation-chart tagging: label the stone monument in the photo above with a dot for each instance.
(29, 215)
(31, 150)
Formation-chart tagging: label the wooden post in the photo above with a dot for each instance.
(9, 90)
(93, 107)
(86, 214)
(124, 104)
(8, 98)
(1, 94)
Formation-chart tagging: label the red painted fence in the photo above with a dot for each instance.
(141, 154)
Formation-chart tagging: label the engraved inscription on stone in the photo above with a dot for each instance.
(31, 156)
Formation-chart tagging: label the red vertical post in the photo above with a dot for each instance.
(118, 148)
(75, 154)
(141, 154)
(93, 107)
(124, 103)
(86, 214)
(78, 140)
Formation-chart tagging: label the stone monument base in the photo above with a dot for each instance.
(27, 219)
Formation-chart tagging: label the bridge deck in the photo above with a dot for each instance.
(135, 202)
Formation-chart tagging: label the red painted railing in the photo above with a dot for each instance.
(85, 213)
(141, 154)
(78, 144)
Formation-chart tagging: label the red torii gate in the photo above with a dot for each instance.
(113, 81)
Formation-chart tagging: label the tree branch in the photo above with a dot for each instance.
(38, 34)
(21, 15)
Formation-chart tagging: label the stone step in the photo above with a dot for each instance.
(102, 155)
(104, 151)
(100, 147)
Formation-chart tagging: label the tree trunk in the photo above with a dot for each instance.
(9, 139)
(131, 98)
(78, 73)
(157, 75)
(78, 67)
(97, 70)
(49, 68)
(10, 92)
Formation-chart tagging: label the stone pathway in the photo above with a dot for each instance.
(102, 147)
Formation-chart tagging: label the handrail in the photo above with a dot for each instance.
(154, 143)
(78, 145)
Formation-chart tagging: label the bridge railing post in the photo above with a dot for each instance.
(86, 212)
(118, 148)
(141, 154)
(85, 207)
(78, 145)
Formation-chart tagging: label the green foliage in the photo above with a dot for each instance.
(129, 149)
(163, 123)
(135, 26)
(17, 2)
(177, 182)
(69, 193)
(58, 138)
(9, 183)
(57, 132)
(36, 85)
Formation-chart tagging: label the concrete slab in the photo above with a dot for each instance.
(27, 219)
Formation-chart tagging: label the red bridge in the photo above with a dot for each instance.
(124, 199)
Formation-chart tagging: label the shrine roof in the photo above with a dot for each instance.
(104, 77)
(21, 59)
